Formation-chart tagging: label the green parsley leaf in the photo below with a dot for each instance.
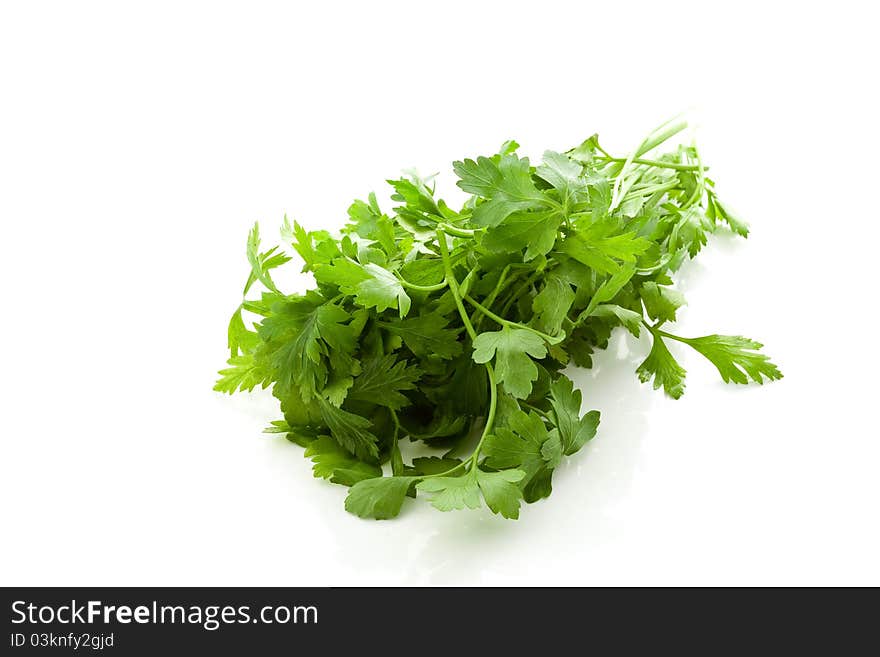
(350, 431)
(511, 349)
(333, 462)
(506, 185)
(551, 305)
(426, 335)
(379, 498)
(381, 380)
(535, 232)
(664, 369)
(451, 493)
(500, 491)
(735, 358)
(574, 430)
(661, 302)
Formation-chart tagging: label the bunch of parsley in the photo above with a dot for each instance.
(453, 328)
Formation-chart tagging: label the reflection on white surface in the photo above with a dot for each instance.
(579, 515)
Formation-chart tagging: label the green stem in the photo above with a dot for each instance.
(453, 283)
(698, 190)
(521, 289)
(656, 163)
(671, 336)
(452, 230)
(490, 418)
(509, 324)
(657, 137)
(422, 288)
(669, 129)
(502, 281)
(651, 189)
(607, 154)
(396, 458)
(493, 386)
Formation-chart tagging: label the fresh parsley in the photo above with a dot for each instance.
(451, 328)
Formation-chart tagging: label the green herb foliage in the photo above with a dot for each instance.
(453, 328)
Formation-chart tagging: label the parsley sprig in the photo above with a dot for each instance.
(453, 328)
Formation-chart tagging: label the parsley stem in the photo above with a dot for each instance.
(422, 288)
(457, 232)
(522, 289)
(700, 186)
(466, 320)
(607, 154)
(502, 279)
(396, 459)
(678, 338)
(490, 418)
(656, 163)
(651, 189)
(453, 283)
(509, 324)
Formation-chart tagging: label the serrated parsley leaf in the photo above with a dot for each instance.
(533, 231)
(331, 461)
(522, 445)
(601, 253)
(372, 285)
(452, 493)
(565, 175)
(382, 290)
(426, 335)
(243, 373)
(610, 288)
(551, 305)
(664, 369)
(506, 185)
(511, 349)
(735, 357)
(574, 430)
(351, 431)
(379, 498)
(501, 492)
(661, 302)
(261, 263)
(715, 210)
(307, 336)
(381, 380)
(238, 337)
(628, 318)
(552, 450)
(344, 273)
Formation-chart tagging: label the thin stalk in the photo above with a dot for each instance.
(422, 288)
(701, 182)
(656, 163)
(522, 288)
(452, 230)
(493, 386)
(396, 458)
(509, 324)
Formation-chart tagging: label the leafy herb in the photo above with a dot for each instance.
(444, 327)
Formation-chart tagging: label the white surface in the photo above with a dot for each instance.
(137, 146)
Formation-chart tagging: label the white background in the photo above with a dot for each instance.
(138, 145)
